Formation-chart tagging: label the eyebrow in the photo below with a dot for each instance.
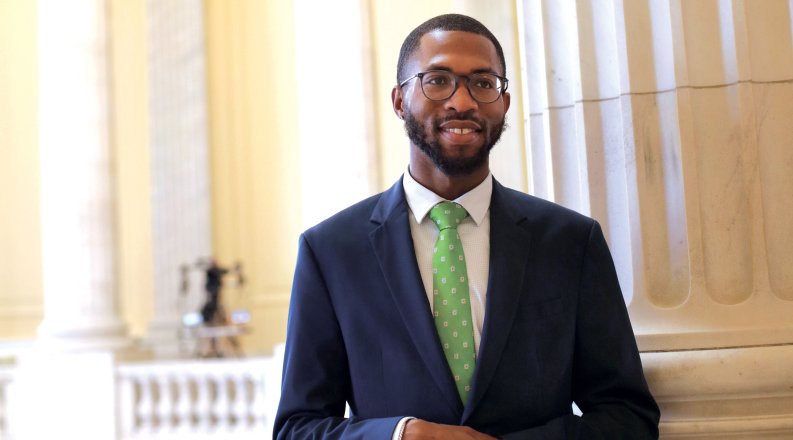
(475, 71)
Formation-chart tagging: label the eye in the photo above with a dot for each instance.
(485, 82)
(437, 79)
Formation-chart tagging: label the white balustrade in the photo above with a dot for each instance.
(197, 398)
(179, 399)
(6, 376)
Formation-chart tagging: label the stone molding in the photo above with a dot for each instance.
(743, 392)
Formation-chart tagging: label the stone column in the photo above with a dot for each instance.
(180, 186)
(77, 206)
(353, 81)
(670, 122)
(82, 326)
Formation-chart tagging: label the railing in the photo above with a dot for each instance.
(162, 400)
(234, 398)
(6, 376)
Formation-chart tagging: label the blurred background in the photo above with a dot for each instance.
(146, 143)
(200, 129)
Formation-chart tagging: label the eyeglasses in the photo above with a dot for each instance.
(439, 85)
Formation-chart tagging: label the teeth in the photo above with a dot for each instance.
(460, 130)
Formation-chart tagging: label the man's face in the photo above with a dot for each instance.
(456, 134)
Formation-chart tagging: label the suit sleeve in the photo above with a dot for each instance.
(316, 378)
(608, 380)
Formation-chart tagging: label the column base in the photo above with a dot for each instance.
(730, 393)
(95, 335)
(164, 340)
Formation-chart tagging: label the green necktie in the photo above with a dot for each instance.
(451, 300)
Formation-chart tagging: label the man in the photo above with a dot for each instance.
(483, 316)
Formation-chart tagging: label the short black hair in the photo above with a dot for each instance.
(446, 22)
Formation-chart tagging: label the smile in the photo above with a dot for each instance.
(459, 130)
(461, 135)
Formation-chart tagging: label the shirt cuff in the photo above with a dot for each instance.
(400, 428)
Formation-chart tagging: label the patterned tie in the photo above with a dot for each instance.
(451, 301)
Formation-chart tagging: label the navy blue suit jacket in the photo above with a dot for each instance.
(556, 330)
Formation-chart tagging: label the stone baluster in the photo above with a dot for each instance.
(146, 405)
(167, 402)
(183, 408)
(203, 405)
(221, 404)
(251, 417)
(238, 406)
(127, 405)
(232, 417)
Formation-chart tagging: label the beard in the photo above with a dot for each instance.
(452, 166)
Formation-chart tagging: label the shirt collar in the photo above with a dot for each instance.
(421, 200)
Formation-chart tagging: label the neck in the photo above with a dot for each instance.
(448, 187)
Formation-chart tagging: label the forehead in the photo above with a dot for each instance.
(461, 52)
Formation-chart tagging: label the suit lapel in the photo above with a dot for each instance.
(393, 246)
(509, 251)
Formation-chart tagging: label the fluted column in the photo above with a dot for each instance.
(670, 122)
(180, 185)
(77, 206)
(82, 326)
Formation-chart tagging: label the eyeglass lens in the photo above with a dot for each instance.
(440, 85)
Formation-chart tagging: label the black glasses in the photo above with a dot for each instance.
(438, 85)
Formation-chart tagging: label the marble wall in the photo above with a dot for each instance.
(21, 298)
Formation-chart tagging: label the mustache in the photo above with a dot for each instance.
(457, 116)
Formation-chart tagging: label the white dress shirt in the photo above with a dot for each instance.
(474, 233)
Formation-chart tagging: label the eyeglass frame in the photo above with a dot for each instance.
(457, 78)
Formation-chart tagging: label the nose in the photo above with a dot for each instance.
(461, 100)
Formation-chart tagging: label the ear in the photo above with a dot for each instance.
(506, 101)
(397, 102)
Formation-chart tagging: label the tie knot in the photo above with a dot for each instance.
(447, 215)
